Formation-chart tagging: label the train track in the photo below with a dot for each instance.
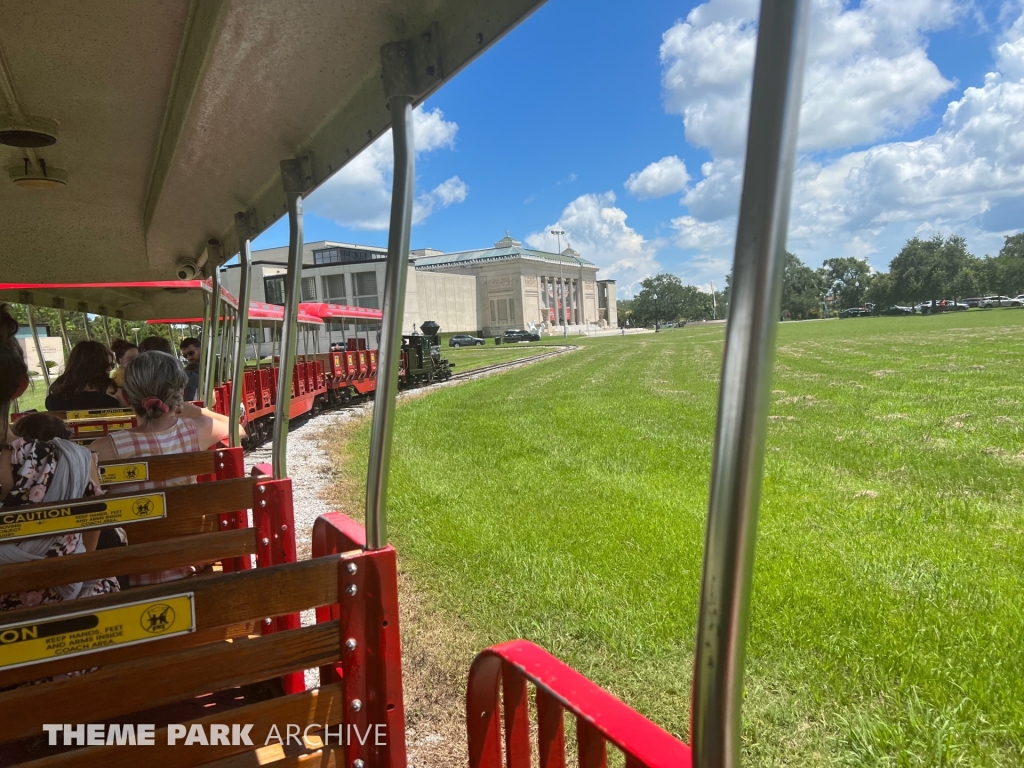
(463, 375)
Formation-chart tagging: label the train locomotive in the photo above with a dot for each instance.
(422, 362)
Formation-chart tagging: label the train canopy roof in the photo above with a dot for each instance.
(170, 118)
(331, 311)
(131, 300)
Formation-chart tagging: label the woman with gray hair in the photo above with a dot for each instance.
(154, 384)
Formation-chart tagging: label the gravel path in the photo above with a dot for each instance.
(310, 469)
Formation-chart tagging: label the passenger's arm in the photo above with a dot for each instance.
(212, 427)
(104, 449)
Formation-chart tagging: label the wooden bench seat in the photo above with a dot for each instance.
(235, 630)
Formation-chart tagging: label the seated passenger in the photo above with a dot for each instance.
(41, 426)
(160, 344)
(192, 350)
(85, 383)
(124, 353)
(35, 471)
(154, 383)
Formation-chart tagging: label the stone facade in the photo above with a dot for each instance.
(487, 291)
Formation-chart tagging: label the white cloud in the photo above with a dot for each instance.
(597, 229)
(864, 65)
(868, 74)
(449, 192)
(665, 177)
(359, 195)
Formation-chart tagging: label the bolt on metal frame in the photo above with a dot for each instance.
(738, 458)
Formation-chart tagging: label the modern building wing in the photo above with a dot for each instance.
(484, 291)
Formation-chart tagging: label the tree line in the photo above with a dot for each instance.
(74, 322)
(925, 269)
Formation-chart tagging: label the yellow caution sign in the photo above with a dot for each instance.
(99, 512)
(131, 472)
(78, 633)
(103, 427)
(111, 413)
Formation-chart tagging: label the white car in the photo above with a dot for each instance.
(1000, 301)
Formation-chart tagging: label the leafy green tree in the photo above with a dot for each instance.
(934, 269)
(660, 299)
(847, 279)
(802, 290)
(1005, 272)
(882, 291)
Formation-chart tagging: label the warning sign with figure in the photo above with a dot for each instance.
(135, 471)
(111, 413)
(25, 522)
(77, 633)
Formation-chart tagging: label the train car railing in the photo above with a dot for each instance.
(371, 667)
(497, 696)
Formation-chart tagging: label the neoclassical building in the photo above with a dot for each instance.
(521, 287)
(486, 291)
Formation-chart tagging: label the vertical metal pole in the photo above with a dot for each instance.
(205, 347)
(106, 328)
(296, 180)
(39, 345)
(85, 322)
(746, 380)
(124, 329)
(64, 330)
(391, 337)
(213, 326)
(238, 382)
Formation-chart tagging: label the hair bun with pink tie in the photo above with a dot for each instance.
(151, 403)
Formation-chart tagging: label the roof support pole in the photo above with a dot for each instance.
(244, 230)
(83, 308)
(213, 326)
(205, 347)
(106, 325)
(746, 380)
(384, 403)
(29, 311)
(58, 304)
(296, 177)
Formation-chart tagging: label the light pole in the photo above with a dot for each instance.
(561, 282)
(657, 316)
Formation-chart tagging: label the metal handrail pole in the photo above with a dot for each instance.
(85, 323)
(64, 330)
(212, 331)
(205, 347)
(295, 183)
(106, 329)
(238, 383)
(390, 344)
(39, 344)
(738, 456)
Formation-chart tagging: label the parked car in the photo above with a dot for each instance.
(855, 312)
(946, 305)
(1000, 301)
(465, 340)
(897, 311)
(513, 336)
(974, 301)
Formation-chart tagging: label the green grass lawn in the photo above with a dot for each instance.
(564, 502)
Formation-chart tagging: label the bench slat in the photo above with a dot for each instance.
(324, 705)
(170, 466)
(116, 655)
(133, 559)
(121, 689)
(220, 599)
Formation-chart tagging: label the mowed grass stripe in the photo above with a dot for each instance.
(565, 502)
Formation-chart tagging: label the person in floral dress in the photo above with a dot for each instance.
(36, 471)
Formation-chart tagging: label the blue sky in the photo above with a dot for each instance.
(628, 133)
